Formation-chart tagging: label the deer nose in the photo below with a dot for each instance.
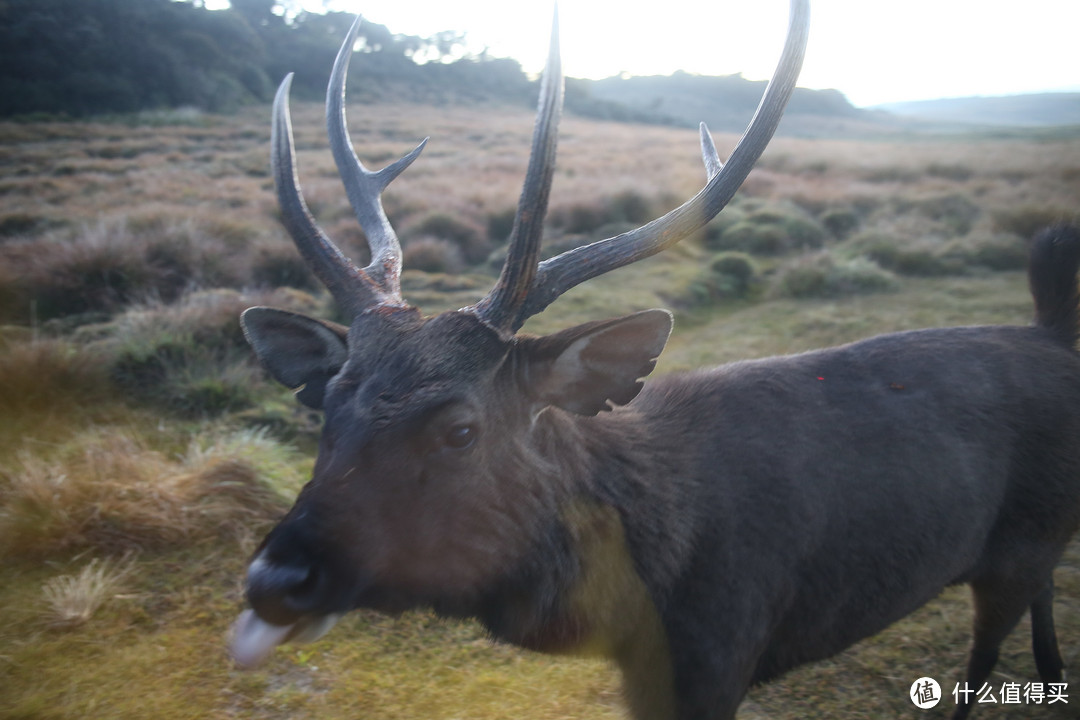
(281, 592)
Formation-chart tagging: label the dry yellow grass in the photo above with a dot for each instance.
(106, 490)
(72, 600)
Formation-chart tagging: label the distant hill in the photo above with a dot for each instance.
(1037, 110)
(725, 103)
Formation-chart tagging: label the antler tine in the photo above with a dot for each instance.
(349, 285)
(502, 305)
(713, 164)
(558, 274)
(363, 187)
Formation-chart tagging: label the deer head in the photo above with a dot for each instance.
(434, 480)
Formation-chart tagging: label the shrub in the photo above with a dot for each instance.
(755, 238)
(822, 276)
(996, 251)
(280, 265)
(1026, 220)
(841, 222)
(189, 358)
(714, 231)
(467, 237)
(769, 230)
(955, 211)
(432, 255)
(730, 275)
(22, 223)
(628, 207)
(890, 174)
(115, 262)
(902, 256)
(499, 225)
(956, 172)
(579, 218)
(50, 375)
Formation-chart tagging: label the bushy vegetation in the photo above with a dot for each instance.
(822, 275)
(109, 492)
(143, 451)
(767, 229)
(728, 276)
(91, 57)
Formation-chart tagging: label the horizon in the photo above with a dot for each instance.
(932, 50)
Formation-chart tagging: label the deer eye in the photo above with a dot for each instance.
(459, 437)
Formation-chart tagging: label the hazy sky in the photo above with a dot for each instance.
(872, 50)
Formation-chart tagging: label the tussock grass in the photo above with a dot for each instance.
(190, 357)
(730, 275)
(108, 491)
(52, 388)
(72, 600)
(766, 229)
(39, 375)
(108, 264)
(821, 275)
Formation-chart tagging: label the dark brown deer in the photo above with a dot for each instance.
(706, 531)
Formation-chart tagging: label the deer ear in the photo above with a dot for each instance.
(300, 352)
(592, 367)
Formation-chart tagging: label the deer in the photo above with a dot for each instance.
(705, 531)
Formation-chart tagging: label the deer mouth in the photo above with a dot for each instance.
(252, 639)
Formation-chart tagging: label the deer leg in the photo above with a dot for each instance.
(1044, 643)
(999, 605)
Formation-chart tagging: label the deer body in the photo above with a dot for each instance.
(707, 531)
(823, 510)
(780, 510)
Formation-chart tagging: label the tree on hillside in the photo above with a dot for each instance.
(90, 56)
(83, 57)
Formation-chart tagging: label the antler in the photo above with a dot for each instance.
(523, 292)
(500, 307)
(524, 287)
(354, 289)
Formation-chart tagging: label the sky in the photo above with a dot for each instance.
(874, 51)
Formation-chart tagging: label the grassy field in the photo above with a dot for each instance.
(143, 453)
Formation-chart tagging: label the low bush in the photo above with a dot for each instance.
(432, 255)
(112, 263)
(190, 358)
(49, 375)
(1026, 220)
(955, 212)
(919, 258)
(772, 229)
(281, 265)
(839, 221)
(499, 225)
(627, 207)
(994, 251)
(821, 275)
(729, 276)
(469, 238)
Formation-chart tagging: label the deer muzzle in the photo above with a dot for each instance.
(289, 603)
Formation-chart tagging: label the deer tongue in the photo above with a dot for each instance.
(252, 639)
